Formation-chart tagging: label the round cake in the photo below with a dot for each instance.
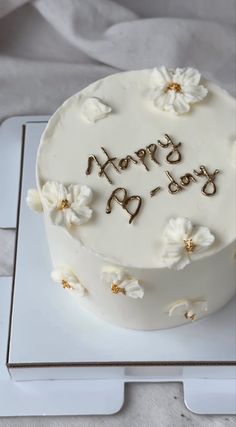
(136, 181)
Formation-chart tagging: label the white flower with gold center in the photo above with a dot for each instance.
(177, 89)
(67, 205)
(191, 310)
(121, 282)
(68, 280)
(33, 200)
(182, 240)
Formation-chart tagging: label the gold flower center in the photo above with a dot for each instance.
(174, 86)
(190, 246)
(189, 316)
(116, 289)
(65, 204)
(66, 285)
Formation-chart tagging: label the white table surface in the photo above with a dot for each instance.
(146, 405)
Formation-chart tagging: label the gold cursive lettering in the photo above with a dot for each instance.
(125, 162)
(187, 179)
(154, 191)
(141, 154)
(151, 149)
(124, 202)
(174, 156)
(102, 171)
(209, 188)
(173, 187)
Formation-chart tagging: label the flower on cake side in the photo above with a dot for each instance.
(190, 309)
(33, 200)
(67, 206)
(182, 240)
(68, 280)
(177, 89)
(94, 109)
(121, 282)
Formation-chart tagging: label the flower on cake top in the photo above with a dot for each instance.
(121, 282)
(191, 310)
(177, 89)
(68, 280)
(182, 240)
(94, 109)
(33, 200)
(67, 205)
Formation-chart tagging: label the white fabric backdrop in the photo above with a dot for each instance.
(49, 49)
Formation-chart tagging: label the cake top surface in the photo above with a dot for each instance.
(131, 114)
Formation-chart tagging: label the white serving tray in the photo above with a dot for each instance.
(52, 338)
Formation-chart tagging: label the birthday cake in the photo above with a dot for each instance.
(136, 178)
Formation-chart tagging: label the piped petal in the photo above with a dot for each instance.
(180, 104)
(33, 200)
(194, 94)
(94, 109)
(111, 274)
(80, 194)
(53, 193)
(179, 307)
(57, 276)
(187, 76)
(132, 288)
(203, 237)
(162, 76)
(80, 214)
(177, 230)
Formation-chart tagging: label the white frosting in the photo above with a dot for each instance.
(130, 256)
(94, 109)
(177, 89)
(180, 233)
(205, 132)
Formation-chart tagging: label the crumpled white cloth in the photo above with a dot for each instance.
(52, 48)
(49, 49)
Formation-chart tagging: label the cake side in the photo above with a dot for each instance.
(170, 297)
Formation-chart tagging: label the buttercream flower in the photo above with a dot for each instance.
(182, 240)
(177, 89)
(191, 310)
(33, 200)
(94, 109)
(120, 282)
(67, 205)
(68, 280)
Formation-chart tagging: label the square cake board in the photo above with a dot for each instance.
(48, 337)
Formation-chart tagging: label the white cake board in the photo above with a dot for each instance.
(209, 386)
